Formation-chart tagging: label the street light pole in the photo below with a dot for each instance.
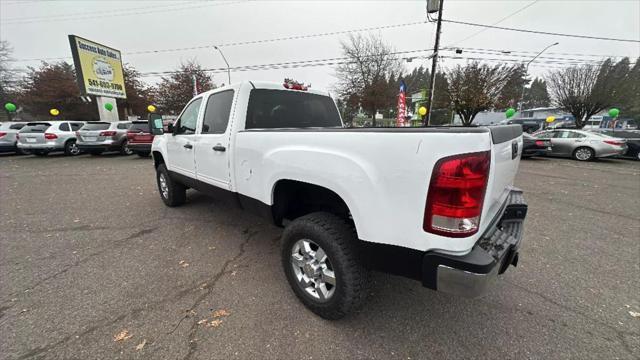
(226, 62)
(526, 73)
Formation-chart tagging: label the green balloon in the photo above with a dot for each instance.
(510, 112)
(614, 112)
(11, 107)
(108, 106)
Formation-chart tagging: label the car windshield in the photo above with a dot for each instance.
(140, 126)
(35, 128)
(95, 126)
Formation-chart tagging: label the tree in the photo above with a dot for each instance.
(7, 79)
(536, 95)
(512, 90)
(474, 88)
(366, 72)
(586, 90)
(175, 91)
(139, 95)
(54, 86)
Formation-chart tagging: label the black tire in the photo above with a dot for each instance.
(71, 149)
(578, 154)
(143, 153)
(339, 241)
(41, 153)
(176, 193)
(20, 151)
(124, 149)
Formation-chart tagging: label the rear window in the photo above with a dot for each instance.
(35, 128)
(96, 126)
(124, 126)
(270, 109)
(142, 126)
(16, 126)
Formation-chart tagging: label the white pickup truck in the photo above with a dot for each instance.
(435, 204)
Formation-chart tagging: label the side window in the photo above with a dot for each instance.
(76, 126)
(189, 118)
(64, 127)
(216, 115)
(16, 126)
(575, 135)
(546, 135)
(123, 126)
(561, 134)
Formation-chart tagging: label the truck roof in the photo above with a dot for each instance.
(270, 85)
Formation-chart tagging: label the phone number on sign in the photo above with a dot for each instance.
(105, 84)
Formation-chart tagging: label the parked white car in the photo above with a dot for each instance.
(436, 204)
(43, 137)
(8, 136)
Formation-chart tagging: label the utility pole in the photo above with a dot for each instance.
(434, 62)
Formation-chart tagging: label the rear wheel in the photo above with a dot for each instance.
(171, 192)
(584, 154)
(322, 264)
(71, 148)
(125, 150)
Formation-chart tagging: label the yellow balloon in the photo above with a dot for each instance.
(151, 108)
(422, 111)
(551, 119)
(54, 112)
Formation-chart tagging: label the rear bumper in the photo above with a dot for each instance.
(6, 147)
(534, 152)
(471, 275)
(146, 147)
(611, 151)
(44, 147)
(99, 146)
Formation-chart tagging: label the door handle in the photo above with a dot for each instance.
(220, 148)
(188, 146)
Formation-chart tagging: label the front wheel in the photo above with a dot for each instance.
(71, 148)
(584, 154)
(125, 150)
(171, 192)
(323, 266)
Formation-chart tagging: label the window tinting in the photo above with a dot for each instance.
(290, 109)
(96, 126)
(16, 126)
(64, 127)
(124, 126)
(76, 126)
(189, 118)
(216, 115)
(35, 128)
(140, 126)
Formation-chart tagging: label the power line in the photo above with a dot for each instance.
(539, 32)
(535, 52)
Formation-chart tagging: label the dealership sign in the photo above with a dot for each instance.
(98, 68)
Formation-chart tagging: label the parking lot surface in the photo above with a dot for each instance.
(94, 266)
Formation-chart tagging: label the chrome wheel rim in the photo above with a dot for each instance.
(313, 270)
(126, 149)
(73, 149)
(583, 154)
(164, 187)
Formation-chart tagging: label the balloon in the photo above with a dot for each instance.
(151, 108)
(108, 106)
(551, 119)
(422, 111)
(54, 112)
(614, 112)
(11, 107)
(510, 112)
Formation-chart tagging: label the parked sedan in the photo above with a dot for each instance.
(96, 137)
(8, 136)
(534, 147)
(43, 137)
(140, 138)
(582, 145)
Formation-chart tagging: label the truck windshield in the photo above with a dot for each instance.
(270, 109)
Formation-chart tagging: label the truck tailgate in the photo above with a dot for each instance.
(506, 149)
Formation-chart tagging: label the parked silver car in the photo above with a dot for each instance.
(96, 137)
(582, 145)
(43, 137)
(8, 139)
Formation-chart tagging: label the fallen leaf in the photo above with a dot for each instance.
(23, 311)
(183, 263)
(141, 345)
(233, 273)
(203, 286)
(212, 247)
(76, 220)
(123, 335)
(634, 314)
(215, 323)
(202, 321)
(220, 313)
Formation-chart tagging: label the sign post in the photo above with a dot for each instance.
(99, 72)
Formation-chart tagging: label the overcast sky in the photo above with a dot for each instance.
(39, 29)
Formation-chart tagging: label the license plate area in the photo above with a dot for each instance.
(90, 138)
(31, 140)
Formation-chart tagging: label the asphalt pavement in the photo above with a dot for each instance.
(94, 266)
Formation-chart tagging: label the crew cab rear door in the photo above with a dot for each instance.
(212, 145)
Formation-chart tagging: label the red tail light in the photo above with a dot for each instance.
(540, 143)
(2, 133)
(50, 136)
(614, 142)
(108, 133)
(456, 194)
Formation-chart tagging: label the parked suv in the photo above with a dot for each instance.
(140, 138)
(96, 137)
(43, 137)
(8, 136)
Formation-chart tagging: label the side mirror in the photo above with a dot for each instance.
(170, 128)
(155, 124)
